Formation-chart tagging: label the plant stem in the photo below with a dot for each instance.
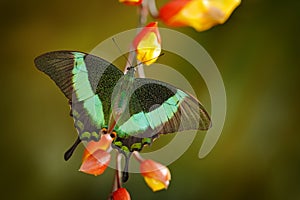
(153, 9)
(143, 15)
(117, 181)
(137, 156)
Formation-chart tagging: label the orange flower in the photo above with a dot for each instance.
(95, 163)
(131, 2)
(199, 14)
(104, 143)
(156, 175)
(95, 157)
(147, 44)
(121, 194)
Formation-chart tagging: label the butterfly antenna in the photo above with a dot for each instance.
(126, 58)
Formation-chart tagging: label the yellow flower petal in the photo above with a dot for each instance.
(147, 44)
(155, 185)
(148, 49)
(156, 175)
(200, 14)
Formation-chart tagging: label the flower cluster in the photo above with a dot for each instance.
(96, 158)
(199, 14)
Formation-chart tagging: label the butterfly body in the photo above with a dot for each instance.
(104, 100)
(120, 97)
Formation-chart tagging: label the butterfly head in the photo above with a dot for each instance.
(130, 68)
(113, 134)
(125, 143)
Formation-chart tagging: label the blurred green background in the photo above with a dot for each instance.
(256, 51)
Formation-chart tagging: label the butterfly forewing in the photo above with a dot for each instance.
(87, 81)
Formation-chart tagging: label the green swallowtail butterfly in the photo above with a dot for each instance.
(103, 100)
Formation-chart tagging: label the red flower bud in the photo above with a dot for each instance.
(121, 194)
(131, 2)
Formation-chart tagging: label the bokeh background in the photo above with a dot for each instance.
(256, 51)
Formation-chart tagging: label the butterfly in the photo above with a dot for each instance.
(104, 100)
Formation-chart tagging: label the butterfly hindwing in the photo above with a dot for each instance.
(158, 108)
(87, 81)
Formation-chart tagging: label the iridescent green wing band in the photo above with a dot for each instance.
(157, 108)
(84, 93)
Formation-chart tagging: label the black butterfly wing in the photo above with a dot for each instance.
(158, 108)
(88, 82)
